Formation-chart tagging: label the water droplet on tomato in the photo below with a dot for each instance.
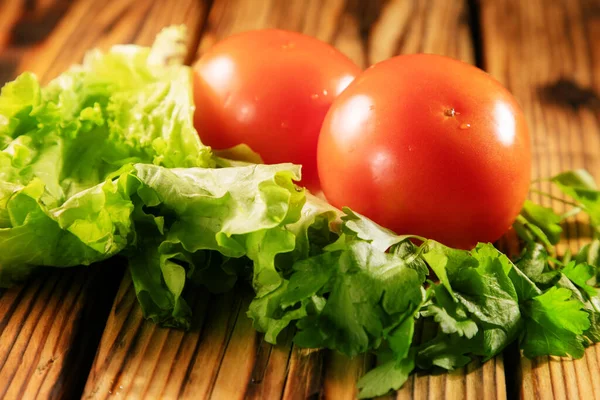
(465, 126)
(325, 92)
(314, 96)
(284, 125)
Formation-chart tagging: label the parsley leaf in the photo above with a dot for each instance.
(451, 316)
(591, 304)
(389, 375)
(580, 185)
(539, 223)
(534, 264)
(365, 293)
(484, 315)
(352, 297)
(365, 229)
(580, 274)
(447, 351)
(554, 324)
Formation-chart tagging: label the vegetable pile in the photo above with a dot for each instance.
(105, 160)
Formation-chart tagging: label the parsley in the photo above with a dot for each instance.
(366, 290)
(554, 324)
(185, 217)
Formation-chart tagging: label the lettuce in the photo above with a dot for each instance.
(105, 161)
(62, 144)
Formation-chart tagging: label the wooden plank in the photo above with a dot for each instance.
(23, 25)
(227, 359)
(439, 27)
(47, 36)
(547, 54)
(233, 351)
(50, 327)
(10, 12)
(90, 24)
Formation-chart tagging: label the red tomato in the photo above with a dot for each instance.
(427, 145)
(270, 89)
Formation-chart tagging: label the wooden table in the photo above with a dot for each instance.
(80, 332)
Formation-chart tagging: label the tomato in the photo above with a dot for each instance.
(269, 89)
(428, 145)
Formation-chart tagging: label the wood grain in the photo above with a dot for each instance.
(228, 346)
(547, 54)
(23, 25)
(440, 27)
(50, 327)
(227, 359)
(90, 24)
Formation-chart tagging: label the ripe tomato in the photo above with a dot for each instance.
(270, 89)
(427, 145)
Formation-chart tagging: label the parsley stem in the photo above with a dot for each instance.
(573, 211)
(539, 180)
(556, 261)
(548, 195)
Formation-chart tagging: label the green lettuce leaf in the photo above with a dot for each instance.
(188, 212)
(62, 145)
(104, 160)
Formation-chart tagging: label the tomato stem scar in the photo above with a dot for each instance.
(450, 112)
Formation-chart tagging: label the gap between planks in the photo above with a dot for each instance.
(227, 347)
(51, 326)
(546, 53)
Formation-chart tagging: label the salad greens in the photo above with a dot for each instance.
(62, 145)
(105, 160)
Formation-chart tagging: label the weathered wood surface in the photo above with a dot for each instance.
(47, 328)
(25, 25)
(227, 359)
(546, 53)
(50, 328)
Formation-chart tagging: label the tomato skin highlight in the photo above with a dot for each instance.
(428, 145)
(271, 90)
